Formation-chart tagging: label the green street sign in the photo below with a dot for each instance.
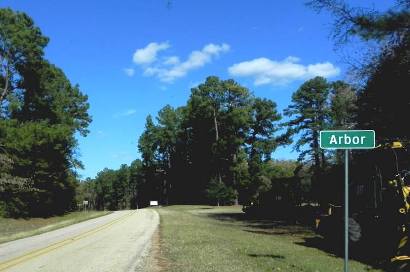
(347, 139)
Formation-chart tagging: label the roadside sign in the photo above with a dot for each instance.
(347, 139)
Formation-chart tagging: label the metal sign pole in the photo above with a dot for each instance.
(347, 139)
(346, 210)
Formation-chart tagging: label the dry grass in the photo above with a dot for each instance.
(12, 229)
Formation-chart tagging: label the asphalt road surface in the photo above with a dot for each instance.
(115, 242)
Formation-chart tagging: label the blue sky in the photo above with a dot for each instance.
(133, 57)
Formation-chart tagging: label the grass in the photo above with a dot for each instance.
(12, 229)
(202, 238)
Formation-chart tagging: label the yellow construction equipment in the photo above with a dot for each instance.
(379, 203)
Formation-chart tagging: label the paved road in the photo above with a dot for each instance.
(115, 242)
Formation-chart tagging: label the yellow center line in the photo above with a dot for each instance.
(38, 252)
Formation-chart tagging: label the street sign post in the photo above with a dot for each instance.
(347, 139)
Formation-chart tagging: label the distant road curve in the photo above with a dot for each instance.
(115, 242)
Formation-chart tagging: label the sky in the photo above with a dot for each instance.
(133, 57)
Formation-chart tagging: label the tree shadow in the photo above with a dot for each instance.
(267, 256)
(278, 232)
(302, 234)
(228, 216)
(262, 225)
(337, 250)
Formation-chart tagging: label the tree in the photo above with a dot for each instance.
(261, 142)
(21, 48)
(343, 110)
(41, 111)
(218, 117)
(368, 24)
(11, 188)
(384, 99)
(103, 186)
(136, 182)
(219, 193)
(148, 146)
(285, 183)
(311, 114)
(343, 107)
(40, 137)
(117, 189)
(168, 129)
(120, 188)
(86, 191)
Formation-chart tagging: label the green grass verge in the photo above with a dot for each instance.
(12, 229)
(202, 238)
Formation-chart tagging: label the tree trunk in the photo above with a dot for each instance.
(316, 151)
(322, 154)
(6, 85)
(165, 190)
(216, 127)
(234, 180)
(216, 141)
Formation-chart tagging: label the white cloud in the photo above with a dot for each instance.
(170, 68)
(149, 53)
(171, 60)
(125, 113)
(129, 71)
(266, 71)
(196, 59)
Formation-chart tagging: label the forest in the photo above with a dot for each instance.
(216, 149)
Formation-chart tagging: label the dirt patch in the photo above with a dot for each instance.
(156, 262)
